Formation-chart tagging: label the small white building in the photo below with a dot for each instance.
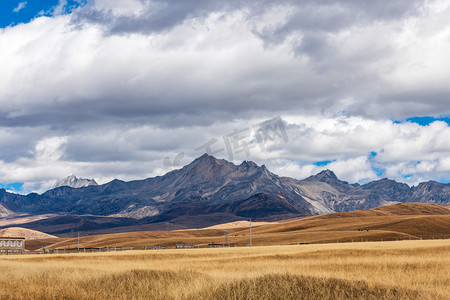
(12, 245)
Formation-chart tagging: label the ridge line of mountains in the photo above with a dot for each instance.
(206, 192)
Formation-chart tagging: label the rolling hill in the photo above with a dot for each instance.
(25, 233)
(393, 222)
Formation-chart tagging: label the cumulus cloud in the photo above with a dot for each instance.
(360, 149)
(20, 6)
(222, 59)
(115, 87)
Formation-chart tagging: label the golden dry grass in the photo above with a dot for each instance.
(23, 232)
(371, 270)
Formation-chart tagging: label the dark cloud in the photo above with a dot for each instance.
(109, 88)
(157, 16)
(177, 86)
(163, 15)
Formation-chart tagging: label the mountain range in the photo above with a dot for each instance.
(205, 192)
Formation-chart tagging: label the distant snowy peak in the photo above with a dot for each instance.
(74, 182)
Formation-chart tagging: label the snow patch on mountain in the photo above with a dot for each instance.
(74, 182)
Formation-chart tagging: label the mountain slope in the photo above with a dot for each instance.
(4, 212)
(329, 194)
(397, 221)
(204, 185)
(28, 234)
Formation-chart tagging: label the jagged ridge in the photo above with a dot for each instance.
(213, 187)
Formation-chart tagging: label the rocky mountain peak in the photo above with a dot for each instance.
(207, 160)
(203, 169)
(384, 183)
(430, 183)
(74, 182)
(327, 174)
(204, 158)
(428, 186)
(248, 165)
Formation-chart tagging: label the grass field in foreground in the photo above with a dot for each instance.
(371, 270)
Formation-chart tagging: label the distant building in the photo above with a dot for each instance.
(185, 246)
(218, 245)
(154, 247)
(12, 245)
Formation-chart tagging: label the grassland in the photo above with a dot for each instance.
(414, 269)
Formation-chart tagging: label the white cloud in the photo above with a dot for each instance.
(117, 86)
(59, 8)
(50, 149)
(125, 7)
(220, 62)
(406, 152)
(356, 169)
(20, 6)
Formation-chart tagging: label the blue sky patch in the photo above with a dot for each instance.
(425, 121)
(13, 12)
(15, 187)
(378, 171)
(323, 163)
(372, 154)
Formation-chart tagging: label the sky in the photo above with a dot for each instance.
(131, 89)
